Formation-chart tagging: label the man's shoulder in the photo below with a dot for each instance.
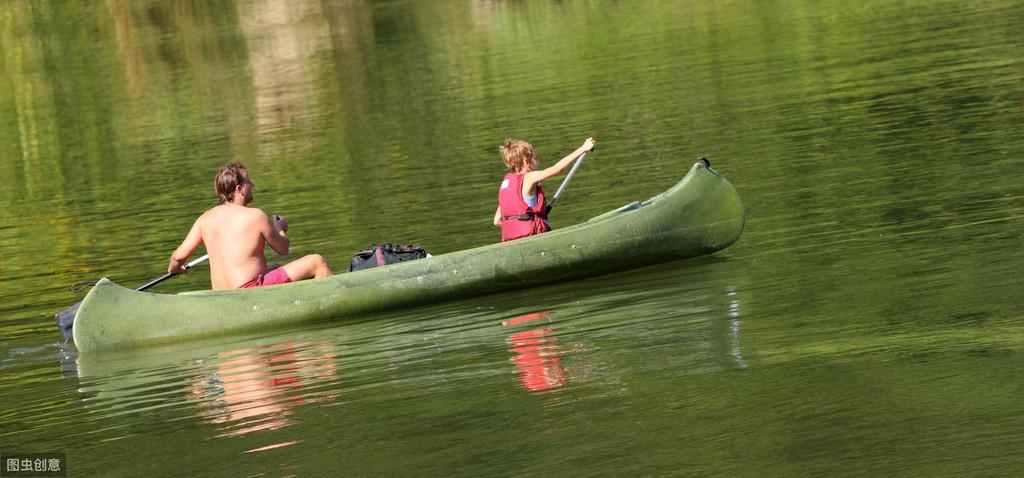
(223, 211)
(257, 213)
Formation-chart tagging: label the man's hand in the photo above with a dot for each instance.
(176, 267)
(280, 223)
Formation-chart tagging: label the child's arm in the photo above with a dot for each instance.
(497, 217)
(531, 178)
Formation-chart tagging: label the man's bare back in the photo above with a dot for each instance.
(235, 235)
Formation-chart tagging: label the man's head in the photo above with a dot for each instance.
(231, 182)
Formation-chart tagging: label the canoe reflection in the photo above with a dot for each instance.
(536, 354)
(254, 389)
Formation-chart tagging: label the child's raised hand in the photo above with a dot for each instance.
(589, 144)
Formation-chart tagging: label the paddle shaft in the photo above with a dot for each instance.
(169, 275)
(565, 183)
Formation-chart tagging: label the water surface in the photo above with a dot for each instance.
(868, 322)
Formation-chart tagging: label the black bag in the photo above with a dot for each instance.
(384, 254)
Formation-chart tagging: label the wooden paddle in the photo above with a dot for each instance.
(66, 317)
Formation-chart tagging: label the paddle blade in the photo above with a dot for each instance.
(66, 320)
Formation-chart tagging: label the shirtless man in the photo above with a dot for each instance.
(235, 234)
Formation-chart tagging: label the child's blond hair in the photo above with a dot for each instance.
(516, 154)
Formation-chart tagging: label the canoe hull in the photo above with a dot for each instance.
(699, 215)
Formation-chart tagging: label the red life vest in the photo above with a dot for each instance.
(518, 219)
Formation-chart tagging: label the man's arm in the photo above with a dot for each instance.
(187, 247)
(275, 231)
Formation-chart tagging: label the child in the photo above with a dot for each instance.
(521, 199)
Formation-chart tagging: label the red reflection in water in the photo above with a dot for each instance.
(253, 389)
(536, 355)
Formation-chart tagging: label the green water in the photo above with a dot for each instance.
(868, 322)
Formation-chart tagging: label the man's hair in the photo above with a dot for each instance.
(516, 154)
(228, 179)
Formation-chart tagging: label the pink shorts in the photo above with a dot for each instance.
(274, 277)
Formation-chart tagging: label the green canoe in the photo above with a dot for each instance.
(701, 214)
